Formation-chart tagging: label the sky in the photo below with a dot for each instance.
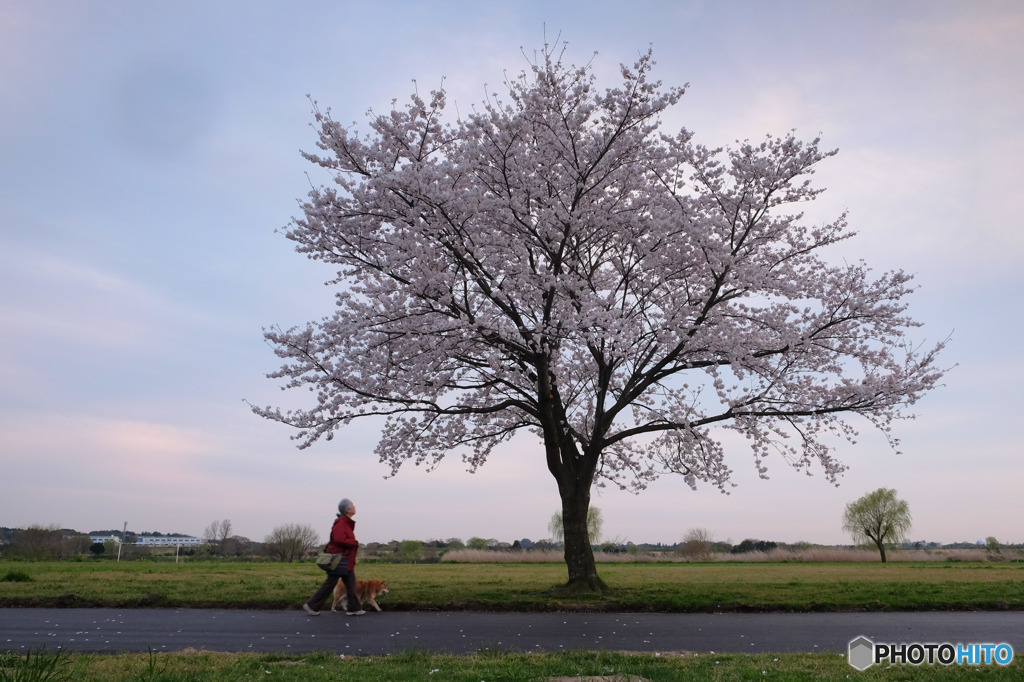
(150, 158)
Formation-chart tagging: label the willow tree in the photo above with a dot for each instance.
(552, 262)
(879, 517)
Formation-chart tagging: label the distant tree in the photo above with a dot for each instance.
(476, 543)
(76, 543)
(696, 544)
(594, 524)
(410, 550)
(290, 542)
(752, 545)
(237, 546)
(992, 546)
(39, 543)
(217, 535)
(452, 544)
(554, 262)
(97, 548)
(879, 517)
(5, 535)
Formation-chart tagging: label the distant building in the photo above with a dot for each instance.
(168, 541)
(105, 538)
(152, 540)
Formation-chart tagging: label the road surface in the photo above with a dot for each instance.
(139, 630)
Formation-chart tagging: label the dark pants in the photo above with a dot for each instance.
(327, 588)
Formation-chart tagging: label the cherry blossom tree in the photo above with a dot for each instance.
(552, 262)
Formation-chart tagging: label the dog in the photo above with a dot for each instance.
(368, 591)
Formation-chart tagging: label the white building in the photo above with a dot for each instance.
(105, 538)
(168, 541)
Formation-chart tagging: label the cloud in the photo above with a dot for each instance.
(79, 447)
(48, 298)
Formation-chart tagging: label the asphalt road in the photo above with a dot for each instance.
(139, 630)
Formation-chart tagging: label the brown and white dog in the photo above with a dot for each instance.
(368, 591)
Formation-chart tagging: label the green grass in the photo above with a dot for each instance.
(485, 665)
(527, 587)
(16, 577)
(35, 666)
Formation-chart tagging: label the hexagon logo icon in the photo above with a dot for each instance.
(861, 653)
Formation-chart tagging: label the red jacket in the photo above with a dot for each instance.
(343, 540)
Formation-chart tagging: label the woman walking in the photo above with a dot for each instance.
(343, 541)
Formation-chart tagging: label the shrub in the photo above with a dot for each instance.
(16, 577)
(696, 545)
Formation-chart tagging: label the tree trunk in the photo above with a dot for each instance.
(881, 549)
(574, 472)
(579, 555)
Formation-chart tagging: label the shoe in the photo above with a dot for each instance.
(310, 611)
(360, 612)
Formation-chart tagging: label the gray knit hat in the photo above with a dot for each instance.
(344, 506)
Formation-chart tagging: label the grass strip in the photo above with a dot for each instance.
(716, 586)
(487, 665)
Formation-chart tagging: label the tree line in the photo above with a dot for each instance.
(879, 518)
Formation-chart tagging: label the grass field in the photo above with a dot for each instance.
(715, 586)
